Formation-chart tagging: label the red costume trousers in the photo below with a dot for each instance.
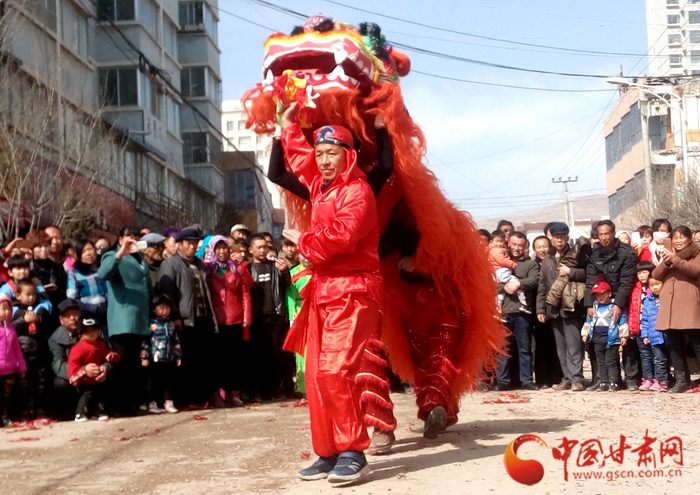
(337, 335)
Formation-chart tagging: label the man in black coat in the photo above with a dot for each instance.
(616, 263)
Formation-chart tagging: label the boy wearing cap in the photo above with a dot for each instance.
(343, 308)
(607, 335)
(89, 350)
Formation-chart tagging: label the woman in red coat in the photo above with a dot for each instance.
(343, 307)
(229, 285)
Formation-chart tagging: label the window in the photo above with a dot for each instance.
(671, 2)
(116, 10)
(243, 140)
(229, 125)
(694, 36)
(673, 19)
(44, 11)
(623, 136)
(675, 59)
(260, 154)
(119, 86)
(674, 39)
(191, 13)
(196, 16)
(74, 29)
(213, 88)
(170, 37)
(694, 17)
(148, 15)
(192, 81)
(195, 147)
(241, 125)
(695, 56)
(241, 188)
(172, 115)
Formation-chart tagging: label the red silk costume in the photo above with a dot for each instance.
(343, 307)
(440, 333)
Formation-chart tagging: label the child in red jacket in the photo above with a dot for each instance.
(91, 350)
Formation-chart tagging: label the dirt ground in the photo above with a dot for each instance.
(259, 450)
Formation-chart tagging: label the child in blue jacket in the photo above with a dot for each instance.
(607, 337)
(654, 353)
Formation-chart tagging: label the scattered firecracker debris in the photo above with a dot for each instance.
(284, 405)
(73, 440)
(197, 417)
(307, 427)
(301, 403)
(117, 438)
(253, 405)
(508, 401)
(138, 460)
(32, 425)
(510, 395)
(305, 454)
(26, 439)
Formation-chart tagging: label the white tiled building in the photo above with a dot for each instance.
(673, 31)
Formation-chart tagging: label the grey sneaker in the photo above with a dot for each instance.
(351, 466)
(319, 469)
(381, 442)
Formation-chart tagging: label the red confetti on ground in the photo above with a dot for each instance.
(307, 427)
(284, 405)
(32, 425)
(73, 440)
(121, 429)
(510, 395)
(693, 390)
(510, 409)
(117, 438)
(197, 417)
(301, 403)
(305, 454)
(138, 460)
(510, 401)
(26, 439)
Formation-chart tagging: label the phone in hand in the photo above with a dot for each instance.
(668, 245)
(50, 287)
(139, 246)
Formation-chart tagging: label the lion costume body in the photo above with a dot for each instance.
(440, 329)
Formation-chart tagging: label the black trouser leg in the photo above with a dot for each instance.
(129, 378)
(6, 382)
(285, 363)
(599, 350)
(631, 361)
(264, 367)
(676, 347)
(159, 381)
(612, 362)
(85, 402)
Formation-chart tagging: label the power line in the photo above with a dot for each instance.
(472, 35)
(550, 90)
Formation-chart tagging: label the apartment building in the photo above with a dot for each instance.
(673, 31)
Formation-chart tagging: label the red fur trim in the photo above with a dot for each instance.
(372, 422)
(367, 381)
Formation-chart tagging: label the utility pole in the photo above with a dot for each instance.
(568, 204)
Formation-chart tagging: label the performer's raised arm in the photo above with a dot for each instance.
(278, 173)
(297, 150)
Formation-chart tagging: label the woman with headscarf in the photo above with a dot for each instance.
(229, 286)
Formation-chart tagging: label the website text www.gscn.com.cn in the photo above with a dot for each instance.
(624, 474)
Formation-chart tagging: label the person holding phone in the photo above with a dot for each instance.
(129, 293)
(679, 311)
(85, 286)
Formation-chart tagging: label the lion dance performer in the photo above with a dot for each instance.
(439, 326)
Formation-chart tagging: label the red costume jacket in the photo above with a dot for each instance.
(344, 235)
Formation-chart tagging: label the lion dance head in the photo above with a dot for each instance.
(345, 75)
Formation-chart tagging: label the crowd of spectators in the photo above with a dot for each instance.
(630, 301)
(148, 323)
(154, 323)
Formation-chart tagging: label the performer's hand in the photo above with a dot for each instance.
(290, 115)
(379, 121)
(291, 234)
(541, 318)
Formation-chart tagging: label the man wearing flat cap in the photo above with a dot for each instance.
(566, 325)
(155, 244)
(183, 278)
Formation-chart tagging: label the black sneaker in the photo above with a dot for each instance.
(6, 422)
(350, 467)
(613, 387)
(435, 423)
(593, 387)
(80, 418)
(319, 469)
(529, 386)
(502, 387)
(600, 387)
(680, 387)
(632, 386)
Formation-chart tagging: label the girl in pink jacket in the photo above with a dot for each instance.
(11, 358)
